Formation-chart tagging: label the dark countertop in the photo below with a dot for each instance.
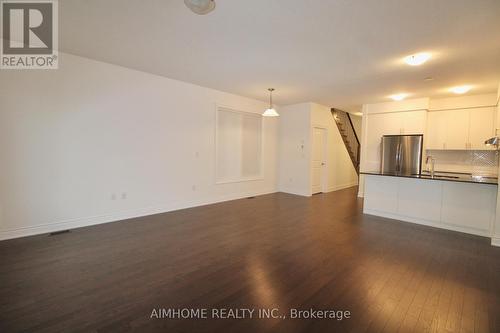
(440, 175)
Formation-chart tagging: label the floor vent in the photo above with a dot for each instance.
(55, 233)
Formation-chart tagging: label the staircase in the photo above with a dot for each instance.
(348, 134)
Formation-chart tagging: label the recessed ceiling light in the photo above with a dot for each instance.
(460, 89)
(417, 59)
(428, 78)
(398, 97)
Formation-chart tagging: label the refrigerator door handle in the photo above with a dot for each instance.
(398, 158)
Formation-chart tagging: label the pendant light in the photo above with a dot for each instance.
(271, 112)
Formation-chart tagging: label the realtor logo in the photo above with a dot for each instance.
(29, 34)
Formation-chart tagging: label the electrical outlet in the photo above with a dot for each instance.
(124, 195)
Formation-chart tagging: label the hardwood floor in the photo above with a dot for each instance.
(274, 251)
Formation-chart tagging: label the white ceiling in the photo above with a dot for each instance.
(340, 53)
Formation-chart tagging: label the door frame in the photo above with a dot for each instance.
(324, 169)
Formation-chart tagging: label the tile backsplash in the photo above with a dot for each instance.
(477, 162)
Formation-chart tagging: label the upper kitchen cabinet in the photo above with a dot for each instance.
(457, 126)
(482, 127)
(397, 123)
(460, 129)
(413, 122)
(436, 130)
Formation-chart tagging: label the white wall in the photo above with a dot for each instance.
(93, 142)
(295, 149)
(296, 125)
(495, 239)
(357, 124)
(340, 170)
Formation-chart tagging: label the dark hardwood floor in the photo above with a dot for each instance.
(274, 251)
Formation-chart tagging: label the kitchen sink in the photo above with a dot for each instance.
(437, 175)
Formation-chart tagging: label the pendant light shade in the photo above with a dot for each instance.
(270, 112)
(200, 7)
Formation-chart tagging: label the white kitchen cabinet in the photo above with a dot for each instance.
(482, 127)
(436, 130)
(381, 194)
(395, 123)
(413, 122)
(386, 123)
(464, 207)
(469, 206)
(460, 129)
(457, 128)
(422, 204)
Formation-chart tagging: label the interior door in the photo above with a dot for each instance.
(318, 176)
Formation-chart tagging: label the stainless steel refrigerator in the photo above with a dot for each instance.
(402, 154)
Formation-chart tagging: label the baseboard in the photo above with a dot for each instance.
(495, 241)
(341, 187)
(484, 233)
(119, 216)
(295, 192)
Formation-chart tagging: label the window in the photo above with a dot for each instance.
(238, 146)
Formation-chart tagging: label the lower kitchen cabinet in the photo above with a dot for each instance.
(468, 205)
(464, 207)
(423, 204)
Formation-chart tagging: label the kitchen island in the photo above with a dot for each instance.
(453, 201)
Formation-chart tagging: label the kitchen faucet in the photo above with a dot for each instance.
(431, 171)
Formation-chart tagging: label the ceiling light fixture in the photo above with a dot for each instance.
(271, 112)
(398, 97)
(460, 89)
(200, 7)
(417, 59)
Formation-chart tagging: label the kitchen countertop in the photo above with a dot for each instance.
(440, 175)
